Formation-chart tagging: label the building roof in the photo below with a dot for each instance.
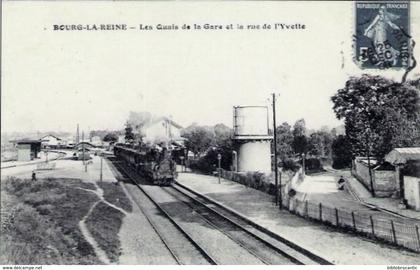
(49, 135)
(26, 141)
(402, 155)
(85, 143)
(166, 119)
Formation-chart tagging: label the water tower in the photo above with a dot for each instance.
(250, 127)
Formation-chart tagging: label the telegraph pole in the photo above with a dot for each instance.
(219, 158)
(275, 154)
(83, 151)
(101, 175)
(369, 165)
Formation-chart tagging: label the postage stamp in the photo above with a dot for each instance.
(382, 34)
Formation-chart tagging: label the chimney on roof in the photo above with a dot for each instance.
(77, 135)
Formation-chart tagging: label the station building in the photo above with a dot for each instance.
(51, 141)
(27, 149)
(162, 129)
(407, 174)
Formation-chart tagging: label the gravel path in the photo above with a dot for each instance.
(90, 239)
(337, 247)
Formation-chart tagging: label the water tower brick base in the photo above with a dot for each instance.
(254, 156)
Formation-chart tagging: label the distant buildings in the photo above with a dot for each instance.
(51, 141)
(161, 129)
(96, 140)
(397, 177)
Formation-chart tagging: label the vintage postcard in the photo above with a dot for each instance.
(240, 133)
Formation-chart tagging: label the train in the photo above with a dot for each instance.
(155, 163)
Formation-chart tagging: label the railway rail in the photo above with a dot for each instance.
(235, 221)
(267, 247)
(175, 253)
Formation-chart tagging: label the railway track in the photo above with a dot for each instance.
(265, 246)
(168, 230)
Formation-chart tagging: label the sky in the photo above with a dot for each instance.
(52, 80)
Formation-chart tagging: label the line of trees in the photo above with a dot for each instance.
(292, 141)
(206, 142)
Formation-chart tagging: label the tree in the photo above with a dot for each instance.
(320, 143)
(222, 133)
(284, 141)
(300, 142)
(199, 138)
(379, 114)
(341, 153)
(110, 137)
(208, 142)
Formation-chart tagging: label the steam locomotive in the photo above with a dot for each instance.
(154, 162)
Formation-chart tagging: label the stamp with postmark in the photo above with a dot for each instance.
(382, 34)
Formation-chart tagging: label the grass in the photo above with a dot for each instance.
(40, 224)
(104, 223)
(115, 195)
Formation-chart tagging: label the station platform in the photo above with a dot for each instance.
(64, 168)
(42, 158)
(333, 245)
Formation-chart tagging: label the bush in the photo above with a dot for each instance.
(290, 165)
(208, 163)
(313, 164)
(32, 239)
(41, 226)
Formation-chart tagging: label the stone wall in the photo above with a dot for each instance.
(384, 181)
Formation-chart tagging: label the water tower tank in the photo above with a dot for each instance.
(250, 124)
(250, 120)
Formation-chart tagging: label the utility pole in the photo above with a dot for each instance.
(101, 169)
(219, 158)
(275, 154)
(303, 165)
(83, 151)
(369, 165)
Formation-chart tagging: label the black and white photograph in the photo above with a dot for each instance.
(240, 133)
